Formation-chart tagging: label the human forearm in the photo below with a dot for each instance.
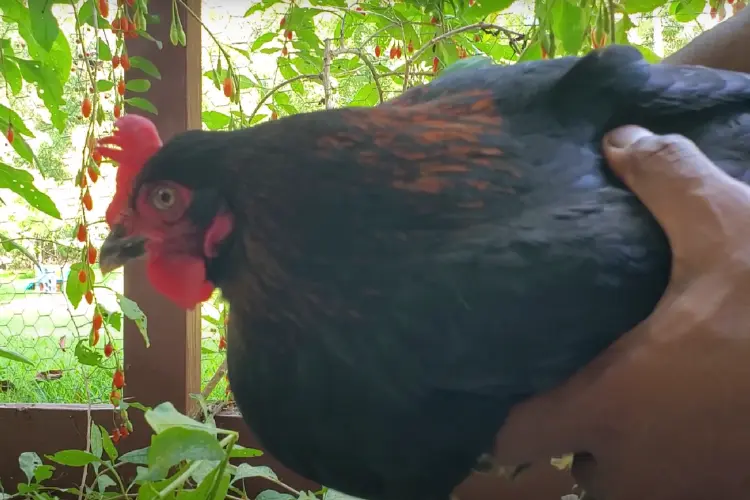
(721, 47)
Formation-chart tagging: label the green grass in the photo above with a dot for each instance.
(33, 324)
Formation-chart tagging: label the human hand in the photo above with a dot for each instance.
(664, 410)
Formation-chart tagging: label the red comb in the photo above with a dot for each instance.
(136, 139)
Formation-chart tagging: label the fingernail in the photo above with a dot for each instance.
(623, 137)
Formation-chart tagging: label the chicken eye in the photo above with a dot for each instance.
(163, 198)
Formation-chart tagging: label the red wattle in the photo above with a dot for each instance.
(181, 278)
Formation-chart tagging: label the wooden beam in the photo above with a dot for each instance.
(170, 369)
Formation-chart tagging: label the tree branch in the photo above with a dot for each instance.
(359, 53)
(469, 27)
(277, 87)
(327, 57)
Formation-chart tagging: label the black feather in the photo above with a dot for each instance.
(380, 335)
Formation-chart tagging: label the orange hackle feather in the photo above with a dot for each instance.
(134, 140)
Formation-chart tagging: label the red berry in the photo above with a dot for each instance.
(82, 182)
(118, 380)
(282, 23)
(125, 61)
(410, 47)
(92, 174)
(116, 24)
(89, 297)
(121, 87)
(98, 321)
(94, 338)
(222, 343)
(116, 436)
(104, 8)
(228, 87)
(288, 34)
(117, 111)
(434, 20)
(91, 255)
(86, 107)
(97, 157)
(435, 64)
(87, 201)
(378, 51)
(115, 397)
(398, 52)
(81, 234)
(108, 349)
(82, 276)
(10, 135)
(115, 61)
(124, 431)
(284, 51)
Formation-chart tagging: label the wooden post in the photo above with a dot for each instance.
(170, 369)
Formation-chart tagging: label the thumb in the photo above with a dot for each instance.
(678, 184)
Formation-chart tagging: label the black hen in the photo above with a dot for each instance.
(401, 276)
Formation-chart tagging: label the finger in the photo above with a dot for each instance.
(679, 185)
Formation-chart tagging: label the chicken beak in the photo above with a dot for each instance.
(119, 248)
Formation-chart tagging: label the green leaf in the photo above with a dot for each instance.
(246, 470)
(114, 319)
(569, 25)
(43, 472)
(138, 85)
(484, 7)
(281, 98)
(273, 495)
(28, 461)
(96, 441)
(165, 416)
(14, 356)
(215, 120)
(104, 85)
(141, 103)
(175, 444)
(131, 311)
(261, 6)
(12, 75)
(107, 444)
(145, 65)
(242, 452)
(641, 6)
(87, 356)
(104, 481)
(104, 53)
(138, 457)
(532, 52)
(74, 289)
(262, 40)
(15, 120)
(21, 182)
(367, 95)
(74, 458)
(48, 86)
(209, 485)
(43, 23)
(685, 11)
